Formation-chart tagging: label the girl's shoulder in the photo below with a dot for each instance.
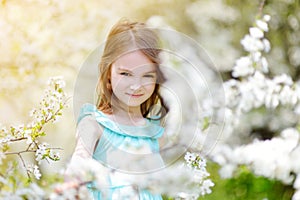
(86, 110)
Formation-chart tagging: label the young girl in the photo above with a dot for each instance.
(120, 131)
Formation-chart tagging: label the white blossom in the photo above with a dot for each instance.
(37, 172)
(27, 134)
(190, 157)
(283, 79)
(206, 187)
(296, 184)
(266, 18)
(272, 100)
(267, 45)
(41, 151)
(256, 32)
(264, 65)
(297, 108)
(243, 67)
(252, 44)
(262, 25)
(288, 96)
(256, 56)
(265, 158)
(34, 169)
(54, 155)
(296, 195)
(231, 92)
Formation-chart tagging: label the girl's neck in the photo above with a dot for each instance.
(128, 116)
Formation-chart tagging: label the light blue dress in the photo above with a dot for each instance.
(119, 147)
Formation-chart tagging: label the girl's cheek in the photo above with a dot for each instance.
(150, 86)
(147, 81)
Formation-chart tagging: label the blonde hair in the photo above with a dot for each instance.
(124, 37)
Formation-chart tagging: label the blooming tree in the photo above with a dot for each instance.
(253, 100)
(25, 139)
(262, 110)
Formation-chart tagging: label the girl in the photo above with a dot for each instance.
(120, 131)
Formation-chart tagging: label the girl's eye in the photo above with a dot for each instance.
(125, 74)
(149, 76)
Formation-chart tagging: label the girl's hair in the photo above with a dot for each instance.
(123, 38)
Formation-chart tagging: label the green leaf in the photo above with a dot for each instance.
(205, 123)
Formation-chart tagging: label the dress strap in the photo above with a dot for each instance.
(86, 110)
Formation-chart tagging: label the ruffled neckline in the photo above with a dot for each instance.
(149, 130)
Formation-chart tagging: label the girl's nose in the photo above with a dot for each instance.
(135, 86)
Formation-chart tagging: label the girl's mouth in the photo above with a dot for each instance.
(135, 95)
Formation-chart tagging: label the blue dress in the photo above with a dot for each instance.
(127, 150)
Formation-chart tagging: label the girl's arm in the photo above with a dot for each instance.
(88, 133)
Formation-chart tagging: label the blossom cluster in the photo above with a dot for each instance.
(23, 139)
(80, 173)
(190, 182)
(258, 90)
(198, 165)
(254, 100)
(254, 89)
(255, 44)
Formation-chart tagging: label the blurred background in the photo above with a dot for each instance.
(44, 38)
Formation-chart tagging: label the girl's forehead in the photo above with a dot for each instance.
(135, 60)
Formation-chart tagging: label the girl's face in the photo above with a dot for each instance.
(133, 78)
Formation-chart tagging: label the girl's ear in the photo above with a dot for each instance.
(108, 85)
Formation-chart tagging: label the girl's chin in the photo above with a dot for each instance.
(134, 104)
(131, 102)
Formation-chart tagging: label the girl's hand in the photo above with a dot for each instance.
(66, 186)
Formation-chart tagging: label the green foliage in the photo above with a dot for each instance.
(205, 123)
(247, 186)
